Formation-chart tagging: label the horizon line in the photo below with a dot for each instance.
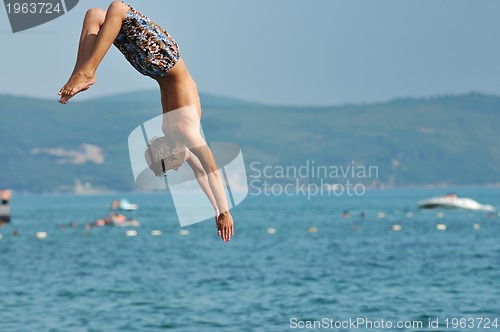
(258, 103)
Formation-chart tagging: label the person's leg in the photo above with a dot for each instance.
(94, 18)
(84, 76)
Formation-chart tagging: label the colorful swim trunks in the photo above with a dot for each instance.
(148, 48)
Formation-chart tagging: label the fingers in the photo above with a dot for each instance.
(223, 233)
(217, 226)
(225, 227)
(228, 231)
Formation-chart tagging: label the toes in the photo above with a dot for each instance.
(64, 99)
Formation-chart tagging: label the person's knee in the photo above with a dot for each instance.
(95, 15)
(118, 8)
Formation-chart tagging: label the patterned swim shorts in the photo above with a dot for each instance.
(148, 48)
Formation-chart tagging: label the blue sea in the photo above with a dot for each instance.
(294, 263)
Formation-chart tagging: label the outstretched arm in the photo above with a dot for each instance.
(186, 129)
(183, 125)
(224, 220)
(201, 177)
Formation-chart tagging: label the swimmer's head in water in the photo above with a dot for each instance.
(163, 154)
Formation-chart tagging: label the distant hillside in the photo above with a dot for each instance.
(444, 140)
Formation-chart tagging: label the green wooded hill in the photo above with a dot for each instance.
(46, 146)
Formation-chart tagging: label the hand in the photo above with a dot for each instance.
(225, 226)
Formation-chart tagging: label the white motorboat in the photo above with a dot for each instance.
(127, 206)
(451, 201)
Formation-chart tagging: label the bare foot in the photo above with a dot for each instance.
(77, 83)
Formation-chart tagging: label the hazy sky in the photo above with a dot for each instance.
(315, 52)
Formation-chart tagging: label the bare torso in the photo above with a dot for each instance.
(178, 89)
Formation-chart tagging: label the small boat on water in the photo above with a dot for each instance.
(451, 201)
(127, 206)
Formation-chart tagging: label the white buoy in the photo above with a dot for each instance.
(271, 230)
(41, 235)
(0, 236)
(409, 214)
(131, 232)
(441, 227)
(396, 228)
(440, 214)
(476, 226)
(184, 232)
(156, 232)
(313, 229)
(381, 215)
